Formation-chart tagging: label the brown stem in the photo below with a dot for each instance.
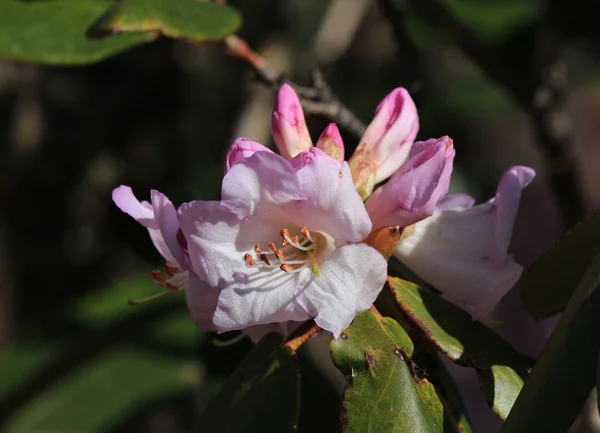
(301, 335)
(318, 99)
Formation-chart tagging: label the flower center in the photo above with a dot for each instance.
(296, 253)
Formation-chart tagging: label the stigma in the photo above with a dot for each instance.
(295, 253)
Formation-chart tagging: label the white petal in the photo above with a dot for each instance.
(351, 278)
(332, 204)
(202, 302)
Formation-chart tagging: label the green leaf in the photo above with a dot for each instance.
(263, 394)
(564, 374)
(501, 369)
(99, 396)
(547, 286)
(382, 394)
(191, 20)
(53, 32)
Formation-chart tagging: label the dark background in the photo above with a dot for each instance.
(516, 84)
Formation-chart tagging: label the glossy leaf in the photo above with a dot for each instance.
(565, 372)
(99, 396)
(382, 394)
(191, 20)
(547, 285)
(53, 32)
(501, 369)
(118, 362)
(263, 394)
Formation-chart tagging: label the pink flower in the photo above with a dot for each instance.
(462, 249)
(242, 148)
(160, 218)
(391, 133)
(331, 142)
(416, 188)
(283, 244)
(288, 125)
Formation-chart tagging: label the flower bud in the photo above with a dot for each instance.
(391, 133)
(288, 125)
(241, 149)
(363, 167)
(331, 142)
(416, 188)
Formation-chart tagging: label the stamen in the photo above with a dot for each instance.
(304, 231)
(147, 299)
(158, 277)
(172, 287)
(248, 260)
(171, 268)
(264, 259)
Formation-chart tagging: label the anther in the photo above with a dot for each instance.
(158, 277)
(264, 259)
(171, 268)
(257, 248)
(286, 268)
(248, 260)
(304, 231)
(272, 248)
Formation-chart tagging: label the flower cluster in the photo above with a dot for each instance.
(286, 242)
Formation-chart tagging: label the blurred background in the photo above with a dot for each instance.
(513, 82)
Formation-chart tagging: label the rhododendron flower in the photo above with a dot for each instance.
(283, 244)
(390, 135)
(288, 124)
(462, 249)
(242, 148)
(160, 218)
(416, 188)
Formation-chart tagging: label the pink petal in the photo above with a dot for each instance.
(168, 224)
(126, 201)
(259, 183)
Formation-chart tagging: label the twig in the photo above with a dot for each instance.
(539, 90)
(318, 99)
(301, 335)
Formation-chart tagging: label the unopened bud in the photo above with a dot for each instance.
(391, 133)
(331, 142)
(363, 167)
(241, 149)
(288, 125)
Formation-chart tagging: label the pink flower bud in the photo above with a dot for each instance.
(391, 133)
(331, 142)
(241, 149)
(416, 188)
(288, 125)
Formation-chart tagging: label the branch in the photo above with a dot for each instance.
(539, 90)
(318, 99)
